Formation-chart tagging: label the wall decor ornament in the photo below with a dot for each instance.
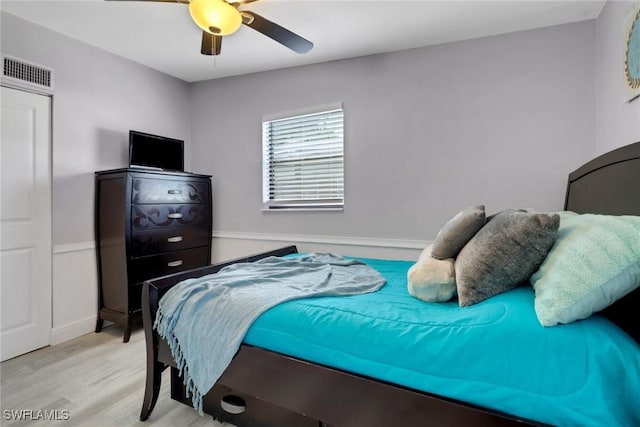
(632, 54)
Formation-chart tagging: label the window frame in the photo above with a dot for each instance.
(274, 204)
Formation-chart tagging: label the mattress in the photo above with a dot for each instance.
(494, 354)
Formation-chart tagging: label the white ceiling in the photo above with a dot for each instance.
(162, 35)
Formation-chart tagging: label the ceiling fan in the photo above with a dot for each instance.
(219, 18)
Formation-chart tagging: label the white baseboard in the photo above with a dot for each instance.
(231, 244)
(74, 247)
(73, 330)
(372, 242)
(325, 240)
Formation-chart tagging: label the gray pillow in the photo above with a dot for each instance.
(457, 232)
(503, 254)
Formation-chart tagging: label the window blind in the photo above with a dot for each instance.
(303, 161)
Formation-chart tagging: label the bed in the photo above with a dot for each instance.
(275, 383)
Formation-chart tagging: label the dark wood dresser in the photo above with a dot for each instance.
(148, 224)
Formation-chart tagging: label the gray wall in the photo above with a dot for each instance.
(618, 122)
(497, 121)
(98, 97)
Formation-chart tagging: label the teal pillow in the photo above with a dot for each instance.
(594, 262)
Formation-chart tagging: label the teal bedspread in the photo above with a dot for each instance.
(494, 354)
(205, 319)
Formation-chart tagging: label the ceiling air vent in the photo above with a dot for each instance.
(26, 75)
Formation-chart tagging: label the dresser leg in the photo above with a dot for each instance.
(127, 331)
(99, 324)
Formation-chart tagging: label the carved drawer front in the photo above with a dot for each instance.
(148, 217)
(166, 191)
(168, 239)
(148, 267)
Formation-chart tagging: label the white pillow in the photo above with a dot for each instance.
(594, 262)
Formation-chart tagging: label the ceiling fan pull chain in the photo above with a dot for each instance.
(214, 43)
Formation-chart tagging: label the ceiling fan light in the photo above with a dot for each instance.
(215, 16)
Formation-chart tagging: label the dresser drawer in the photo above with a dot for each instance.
(168, 239)
(148, 267)
(148, 217)
(154, 191)
(240, 409)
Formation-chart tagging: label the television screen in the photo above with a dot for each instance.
(153, 151)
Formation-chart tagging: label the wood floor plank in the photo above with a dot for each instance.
(96, 380)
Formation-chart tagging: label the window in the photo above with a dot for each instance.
(303, 161)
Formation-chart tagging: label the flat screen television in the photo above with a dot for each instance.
(156, 152)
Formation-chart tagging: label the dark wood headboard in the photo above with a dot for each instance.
(610, 185)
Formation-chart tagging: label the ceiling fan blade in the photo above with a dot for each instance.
(276, 32)
(211, 44)
(240, 2)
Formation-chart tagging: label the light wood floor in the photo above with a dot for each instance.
(96, 378)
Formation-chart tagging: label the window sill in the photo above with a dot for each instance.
(301, 209)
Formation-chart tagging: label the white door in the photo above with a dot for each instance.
(25, 222)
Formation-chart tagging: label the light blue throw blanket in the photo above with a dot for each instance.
(204, 320)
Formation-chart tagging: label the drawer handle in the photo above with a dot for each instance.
(233, 404)
(175, 263)
(174, 239)
(176, 215)
(175, 191)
